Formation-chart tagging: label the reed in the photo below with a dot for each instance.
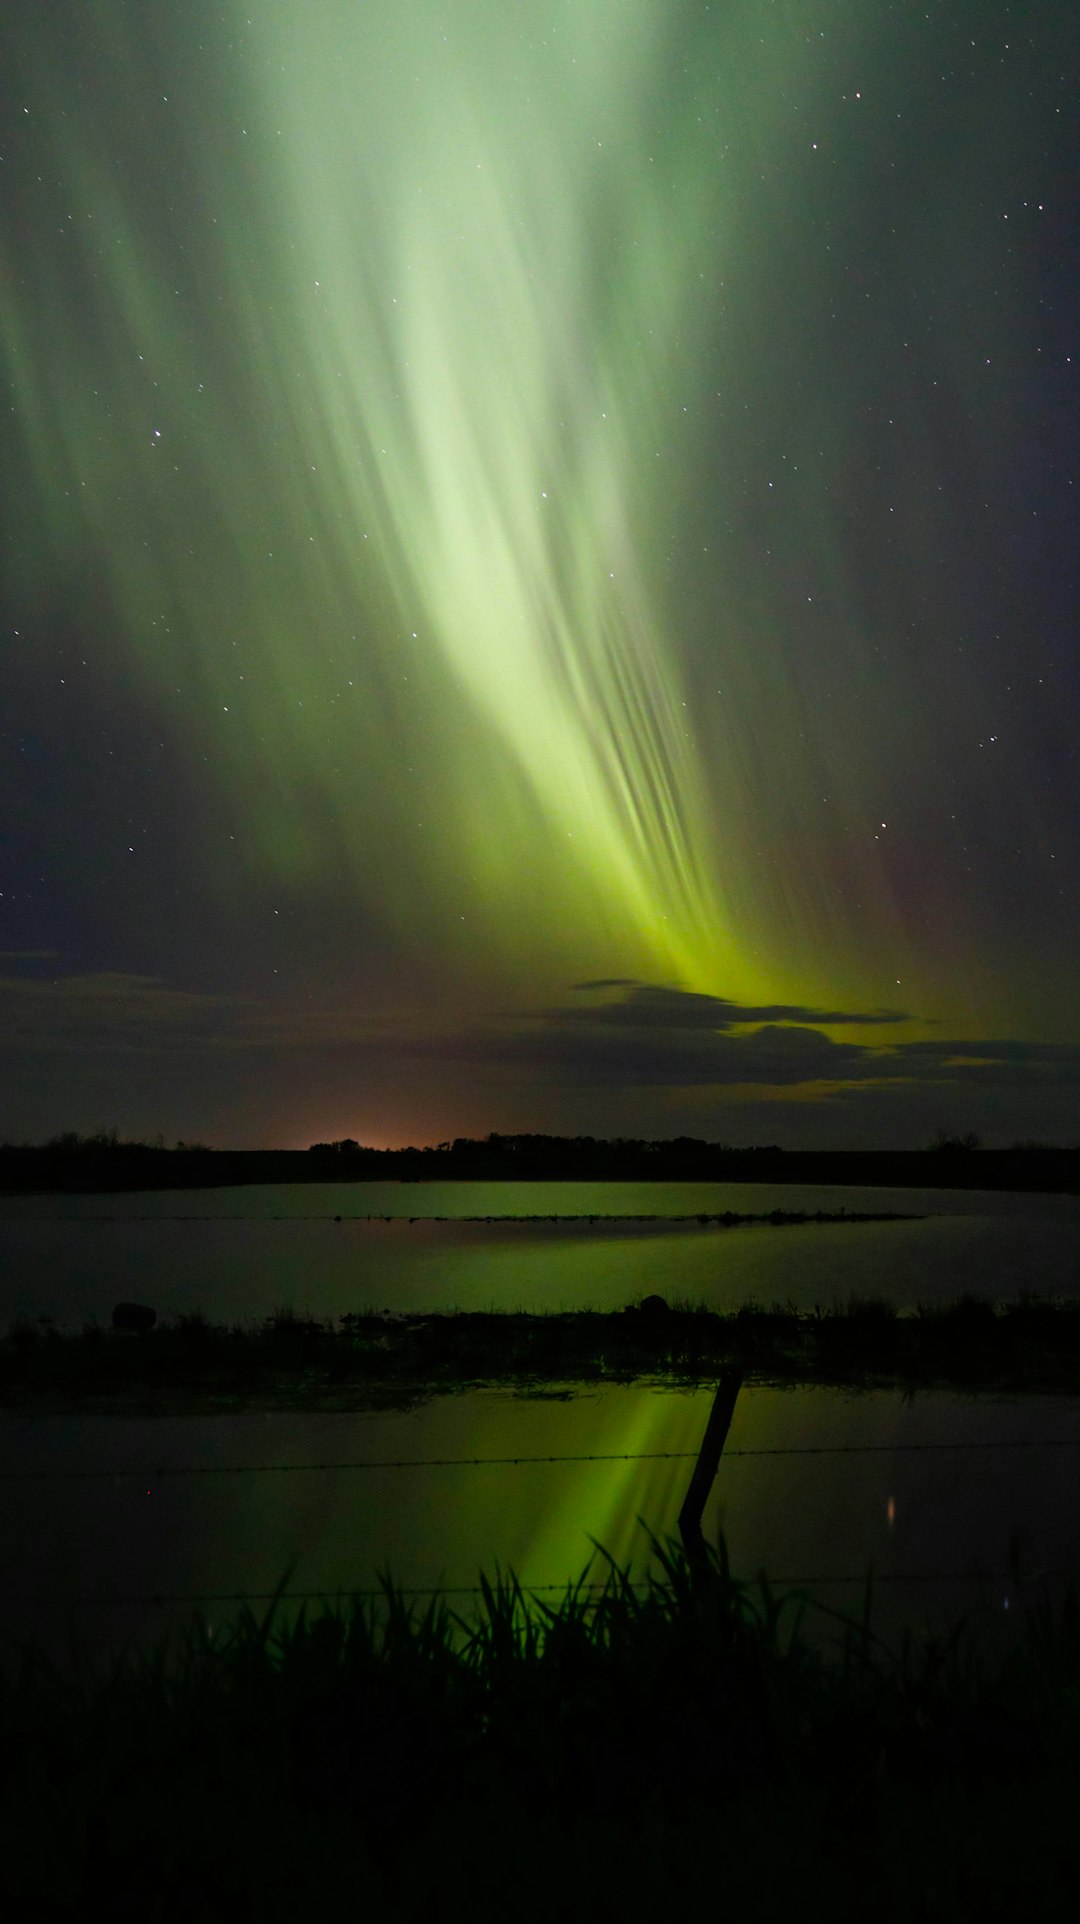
(681, 1740)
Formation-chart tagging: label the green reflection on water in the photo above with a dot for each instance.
(797, 1515)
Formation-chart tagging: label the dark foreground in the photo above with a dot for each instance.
(626, 1756)
(372, 1361)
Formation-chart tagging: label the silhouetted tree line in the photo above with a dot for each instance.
(103, 1160)
(110, 1140)
(531, 1158)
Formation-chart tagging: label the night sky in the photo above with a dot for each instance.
(539, 569)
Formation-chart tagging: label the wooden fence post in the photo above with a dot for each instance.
(704, 1471)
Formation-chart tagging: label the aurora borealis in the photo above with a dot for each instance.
(539, 568)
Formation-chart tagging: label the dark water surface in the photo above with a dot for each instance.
(916, 1514)
(851, 1494)
(238, 1254)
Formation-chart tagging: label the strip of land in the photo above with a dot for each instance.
(377, 1361)
(708, 1219)
(716, 1219)
(71, 1165)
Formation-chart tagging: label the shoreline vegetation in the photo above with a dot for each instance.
(383, 1360)
(87, 1164)
(630, 1746)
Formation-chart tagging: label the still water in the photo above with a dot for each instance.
(238, 1254)
(79, 1545)
(103, 1518)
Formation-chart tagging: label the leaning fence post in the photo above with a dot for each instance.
(708, 1459)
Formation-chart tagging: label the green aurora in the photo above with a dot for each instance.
(557, 486)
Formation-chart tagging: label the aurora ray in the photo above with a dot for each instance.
(576, 493)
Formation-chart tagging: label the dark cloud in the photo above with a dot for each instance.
(999, 1052)
(30, 959)
(651, 1007)
(115, 1013)
(650, 1037)
(603, 1054)
(654, 1037)
(658, 1051)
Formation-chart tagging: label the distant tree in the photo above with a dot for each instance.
(100, 1139)
(969, 1141)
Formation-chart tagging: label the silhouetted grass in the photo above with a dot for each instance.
(610, 1756)
(372, 1359)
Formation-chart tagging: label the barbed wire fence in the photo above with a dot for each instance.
(192, 1599)
(584, 1456)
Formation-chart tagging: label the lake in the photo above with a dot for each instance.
(128, 1531)
(101, 1514)
(238, 1254)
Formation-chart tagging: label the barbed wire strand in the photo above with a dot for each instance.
(346, 1593)
(162, 1471)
